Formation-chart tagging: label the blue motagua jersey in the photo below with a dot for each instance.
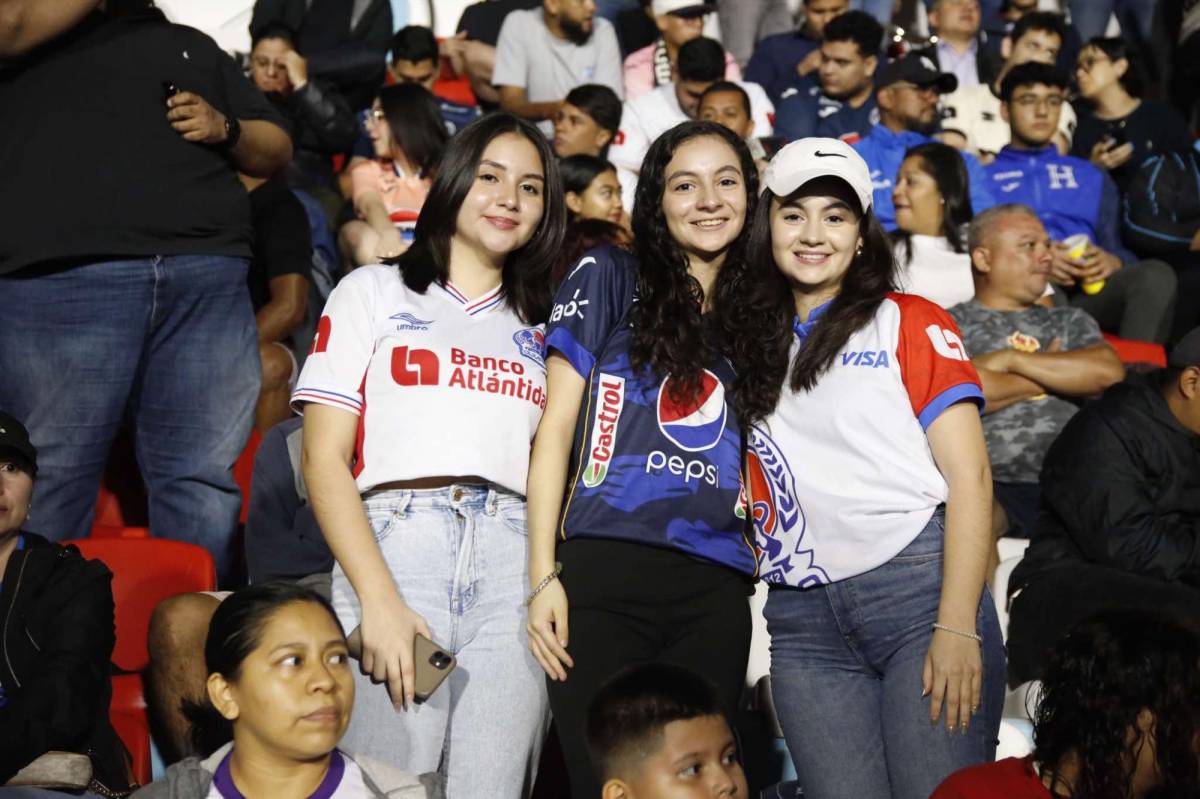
(647, 465)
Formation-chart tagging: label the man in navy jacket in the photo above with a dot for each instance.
(1131, 298)
(907, 92)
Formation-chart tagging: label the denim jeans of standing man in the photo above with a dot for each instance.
(167, 343)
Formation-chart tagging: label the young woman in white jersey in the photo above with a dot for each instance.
(871, 493)
(421, 396)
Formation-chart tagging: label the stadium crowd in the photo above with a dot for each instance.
(586, 359)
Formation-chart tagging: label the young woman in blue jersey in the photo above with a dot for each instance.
(278, 698)
(421, 397)
(870, 490)
(655, 558)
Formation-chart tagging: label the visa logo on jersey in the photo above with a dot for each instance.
(610, 400)
(875, 359)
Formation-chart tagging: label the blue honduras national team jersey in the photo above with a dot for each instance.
(645, 467)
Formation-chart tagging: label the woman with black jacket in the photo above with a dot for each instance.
(56, 638)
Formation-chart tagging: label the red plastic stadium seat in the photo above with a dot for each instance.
(127, 712)
(145, 572)
(110, 531)
(243, 470)
(1137, 351)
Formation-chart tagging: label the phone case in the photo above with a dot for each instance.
(433, 665)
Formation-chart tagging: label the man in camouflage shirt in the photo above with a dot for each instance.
(1036, 362)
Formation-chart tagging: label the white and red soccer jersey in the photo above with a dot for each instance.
(443, 385)
(842, 477)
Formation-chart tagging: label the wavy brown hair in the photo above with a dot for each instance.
(1096, 682)
(756, 318)
(669, 334)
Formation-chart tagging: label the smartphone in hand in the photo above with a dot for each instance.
(432, 664)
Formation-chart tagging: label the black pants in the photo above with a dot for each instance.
(1137, 301)
(1020, 502)
(1055, 600)
(631, 603)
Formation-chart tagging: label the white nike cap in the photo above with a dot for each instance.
(807, 159)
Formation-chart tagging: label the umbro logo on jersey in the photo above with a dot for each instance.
(410, 322)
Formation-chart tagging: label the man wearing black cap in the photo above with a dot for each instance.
(907, 91)
(1120, 520)
(57, 639)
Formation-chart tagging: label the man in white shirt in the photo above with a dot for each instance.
(544, 53)
(973, 112)
(701, 64)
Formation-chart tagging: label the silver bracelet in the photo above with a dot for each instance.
(549, 578)
(963, 633)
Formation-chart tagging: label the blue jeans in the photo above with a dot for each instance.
(1090, 17)
(458, 556)
(168, 343)
(846, 663)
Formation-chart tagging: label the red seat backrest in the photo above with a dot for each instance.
(1137, 351)
(145, 572)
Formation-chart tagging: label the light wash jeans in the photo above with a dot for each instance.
(167, 343)
(458, 556)
(846, 663)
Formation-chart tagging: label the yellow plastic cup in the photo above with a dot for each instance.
(1077, 246)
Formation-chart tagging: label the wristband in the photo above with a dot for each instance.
(233, 132)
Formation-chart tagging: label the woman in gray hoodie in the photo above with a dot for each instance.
(279, 697)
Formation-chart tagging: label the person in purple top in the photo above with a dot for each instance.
(278, 699)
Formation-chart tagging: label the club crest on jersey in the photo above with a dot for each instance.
(531, 343)
(610, 400)
(694, 423)
(779, 521)
(409, 322)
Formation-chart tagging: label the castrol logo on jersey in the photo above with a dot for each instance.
(610, 400)
(694, 423)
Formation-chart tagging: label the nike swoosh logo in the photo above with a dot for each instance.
(820, 154)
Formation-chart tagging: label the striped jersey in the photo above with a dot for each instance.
(443, 385)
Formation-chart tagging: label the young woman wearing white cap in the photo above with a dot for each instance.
(421, 396)
(871, 493)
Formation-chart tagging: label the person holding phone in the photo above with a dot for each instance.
(638, 545)
(421, 395)
(871, 494)
(1117, 129)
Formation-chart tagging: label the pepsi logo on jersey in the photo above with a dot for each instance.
(694, 424)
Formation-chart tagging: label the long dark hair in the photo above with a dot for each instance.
(757, 323)
(578, 172)
(1096, 682)
(416, 124)
(526, 275)
(235, 631)
(945, 165)
(668, 328)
